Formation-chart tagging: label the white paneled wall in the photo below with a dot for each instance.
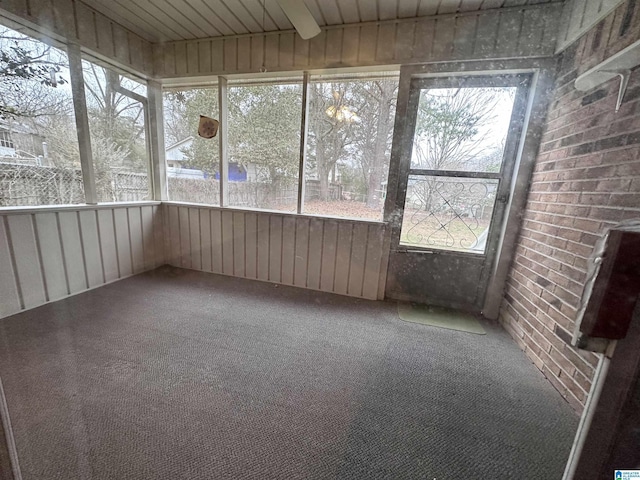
(579, 16)
(522, 32)
(331, 255)
(47, 254)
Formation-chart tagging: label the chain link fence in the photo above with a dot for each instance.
(32, 185)
(26, 185)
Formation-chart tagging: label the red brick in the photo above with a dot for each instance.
(587, 178)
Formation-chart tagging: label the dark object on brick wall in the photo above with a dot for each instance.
(616, 288)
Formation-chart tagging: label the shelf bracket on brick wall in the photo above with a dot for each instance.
(619, 65)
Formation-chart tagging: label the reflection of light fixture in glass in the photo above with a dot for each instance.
(342, 114)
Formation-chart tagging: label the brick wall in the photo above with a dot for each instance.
(587, 178)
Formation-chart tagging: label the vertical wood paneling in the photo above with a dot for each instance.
(263, 247)
(122, 241)
(91, 247)
(43, 14)
(136, 239)
(531, 34)
(238, 244)
(185, 237)
(72, 247)
(231, 54)
(17, 7)
(136, 49)
(227, 242)
(52, 258)
(301, 52)
(10, 303)
(465, 36)
(63, 17)
(358, 259)
(372, 264)
(423, 40)
(367, 44)
(386, 43)
(181, 58)
(204, 56)
(162, 242)
(205, 239)
(444, 37)
(509, 29)
(340, 256)
(486, 29)
(314, 264)
(257, 53)
(316, 49)
(285, 51)
(193, 57)
(120, 43)
(350, 44)
(174, 236)
(343, 258)
(148, 237)
(333, 53)
(108, 245)
(217, 54)
(329, 242)
(288, 249)
(251, 244)
(60, 253)
(86, 25)
(104, 35)
(302, 252)
(404, 42)
(28, 269)
(169, 59)
(275, 248)
(216, 241)
(271, 51)
(194, 238)
(244, 54)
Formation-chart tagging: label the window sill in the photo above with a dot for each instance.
(74, 207)
(274, 212)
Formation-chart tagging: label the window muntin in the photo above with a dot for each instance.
(193, 162)
(118, 135)
(39, 155)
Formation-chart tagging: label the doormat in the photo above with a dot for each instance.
(440, 317)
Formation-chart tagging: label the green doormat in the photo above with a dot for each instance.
(440, 317)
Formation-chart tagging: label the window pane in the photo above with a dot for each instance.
(192, 161)
(264, 144)
(39, 158)
(117, 127)
(448, 213)
(462, 129)
(349, 144)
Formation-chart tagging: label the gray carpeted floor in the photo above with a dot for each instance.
(176, 374)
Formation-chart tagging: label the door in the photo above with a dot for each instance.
(453, 186)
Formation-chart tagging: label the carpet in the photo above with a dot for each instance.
(177, 374)
(440, 317)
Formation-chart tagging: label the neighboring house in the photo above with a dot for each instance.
(174, 155)
(7, 147)
(19, 144)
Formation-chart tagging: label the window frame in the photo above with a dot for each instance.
(308, 77)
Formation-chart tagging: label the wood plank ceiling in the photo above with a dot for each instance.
(166, 20)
